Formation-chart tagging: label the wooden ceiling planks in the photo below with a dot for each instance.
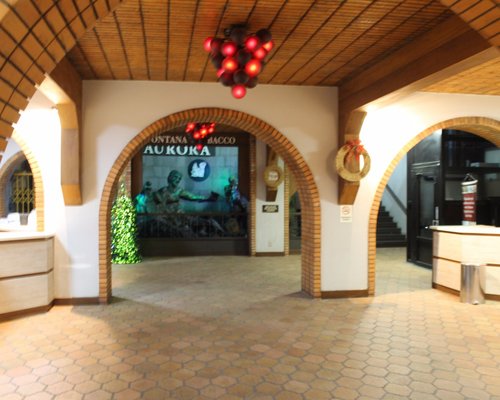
(481, 15)
(479, 80)
(316, 42)
(394, 27)
(231, 13)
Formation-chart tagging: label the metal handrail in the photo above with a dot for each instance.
(396, 198)
(193, 225)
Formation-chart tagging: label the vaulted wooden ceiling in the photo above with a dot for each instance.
(320, 42)
(374, 51)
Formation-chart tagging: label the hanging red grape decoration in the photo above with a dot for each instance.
(198, 132)
(239, 58)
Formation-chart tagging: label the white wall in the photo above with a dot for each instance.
(387, 130)
(270, 226)
(11, 149)
(397, 183)
(39, 127)
(115, 112)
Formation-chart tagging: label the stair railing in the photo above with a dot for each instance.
(396, 199)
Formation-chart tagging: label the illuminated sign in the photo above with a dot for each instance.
(172, 150)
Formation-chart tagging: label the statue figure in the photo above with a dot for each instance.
(236, 224)
(144, 203)
(168, 197)
(168, 200)
(236, 202)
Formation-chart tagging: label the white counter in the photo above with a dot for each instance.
(466, 244)
(12, 235)
(26, 271)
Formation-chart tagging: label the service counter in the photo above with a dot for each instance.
(26, 272)
(454, 245)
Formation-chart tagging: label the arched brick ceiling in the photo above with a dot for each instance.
(34, 37)
(317, 42)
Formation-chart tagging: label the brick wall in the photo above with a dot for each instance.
(308, 192)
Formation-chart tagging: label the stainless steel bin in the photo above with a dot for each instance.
(472, 283)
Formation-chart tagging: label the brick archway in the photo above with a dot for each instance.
(12, 163)
(5, 173)
(36, 35)
(308, 191)
(487, 128)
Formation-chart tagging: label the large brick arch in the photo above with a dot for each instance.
(308, 191)
(36, 35)
(6, 171)
(487, 128)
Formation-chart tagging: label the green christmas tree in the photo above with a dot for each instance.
(124, 249)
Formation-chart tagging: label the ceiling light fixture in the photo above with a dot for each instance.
(239, 58)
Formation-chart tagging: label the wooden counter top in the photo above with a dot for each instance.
(468, 229)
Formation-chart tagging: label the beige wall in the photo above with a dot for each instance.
(114, 112)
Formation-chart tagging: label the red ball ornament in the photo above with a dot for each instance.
(239, 91)
(207, 44)
(217, 60)
(260, 53)
(240, 76)
(243, 56)
(229, 49)
(252, 43)
(229, 64)
(268, 45)
(190, 126)
(227, 79)
(252, 82)
(238, 34)
(264, 35)
(199, 147)
(253, 67)
(215, 44)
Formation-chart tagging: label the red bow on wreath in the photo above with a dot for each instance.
(355, 148)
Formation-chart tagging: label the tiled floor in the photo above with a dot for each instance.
(238, 328)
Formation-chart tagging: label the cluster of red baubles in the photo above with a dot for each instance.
(239, 58)
(199, 131)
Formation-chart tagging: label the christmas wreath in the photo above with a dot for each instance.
(347, 161)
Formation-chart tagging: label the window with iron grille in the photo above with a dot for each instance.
(22, 199)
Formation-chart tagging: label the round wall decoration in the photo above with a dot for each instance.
(347, 161)
(273, 176)
(199, 170)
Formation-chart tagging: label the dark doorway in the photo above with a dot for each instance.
(422, 211)
(437, 166)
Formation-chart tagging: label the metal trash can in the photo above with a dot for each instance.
(472, 283)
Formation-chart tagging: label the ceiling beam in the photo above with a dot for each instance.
(446, 50)
(64, 88)
(481, 15)
(442, 52)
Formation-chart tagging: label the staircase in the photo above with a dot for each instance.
(388, 233)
